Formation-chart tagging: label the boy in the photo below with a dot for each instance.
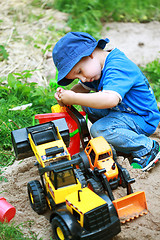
(122, 107)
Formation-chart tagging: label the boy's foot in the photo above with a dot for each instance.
(148, 161)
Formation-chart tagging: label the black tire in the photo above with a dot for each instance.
(80, 177)
(113, 152)
(84, 165)
(60, 229)
(36, 196)
(95, 186)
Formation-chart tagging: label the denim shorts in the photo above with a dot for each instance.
(119, 129)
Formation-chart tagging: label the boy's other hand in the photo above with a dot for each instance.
(66, 97)
(58, 97)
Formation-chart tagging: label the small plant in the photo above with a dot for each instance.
(15, 232)
(90, 14)
(10, 232)
(15, 90)
(152, 72)
(2, 178)
(85, 18)
(3, 53)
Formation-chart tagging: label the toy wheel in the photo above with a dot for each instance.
(114, 152)
(84, 165)
(81, 178)
(60, 229)
(95, 186)
(36, 196)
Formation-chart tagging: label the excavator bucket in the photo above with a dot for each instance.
(131, 206)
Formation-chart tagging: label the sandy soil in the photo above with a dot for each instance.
(141, 43)
(144, 227)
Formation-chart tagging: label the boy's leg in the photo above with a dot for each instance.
(123, 133)
(95, 114)
(126, 136)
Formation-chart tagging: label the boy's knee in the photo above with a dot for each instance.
(93, 131)
(101, 128)
(96, 130)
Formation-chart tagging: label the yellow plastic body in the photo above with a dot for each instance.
(58, 109)
(59, 194)
(85, 202)
(100, 155)
(131, 206)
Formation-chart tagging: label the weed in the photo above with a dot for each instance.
(32, 17)
(36, 3)
(2, 178)
(90, 14)
(14, 232)
(152, 71)
(17, 91)
(3, 53)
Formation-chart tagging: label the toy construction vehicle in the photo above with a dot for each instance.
(77, 212)
(104, 173)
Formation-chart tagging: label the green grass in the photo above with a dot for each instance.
(3, 53)
(17, 92)
(152, 71)
(14, 232)
(90, 14)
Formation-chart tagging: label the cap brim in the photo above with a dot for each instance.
(65, 81)
(61, 76)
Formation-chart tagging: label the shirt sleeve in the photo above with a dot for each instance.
(110, 91)
(120, 78)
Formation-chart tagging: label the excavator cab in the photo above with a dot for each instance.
(63, 178)
(100, 156)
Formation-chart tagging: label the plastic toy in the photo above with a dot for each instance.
(58, 113)
(103, 172)
(7, 211)
(77, 212)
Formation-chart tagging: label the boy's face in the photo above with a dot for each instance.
(87, 69)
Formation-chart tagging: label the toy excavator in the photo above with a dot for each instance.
(103, 172)
(77, 212)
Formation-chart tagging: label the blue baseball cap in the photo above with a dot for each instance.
(70, 49)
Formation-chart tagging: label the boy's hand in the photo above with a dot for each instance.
(64, 97)
(67, 97)
(57, 96)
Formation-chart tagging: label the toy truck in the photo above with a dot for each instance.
(103, 172)
(76, 211)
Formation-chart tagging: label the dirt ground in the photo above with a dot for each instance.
(141, 44)
(144, 227)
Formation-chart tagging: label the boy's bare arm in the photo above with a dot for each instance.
(99, 100)
(78, 88)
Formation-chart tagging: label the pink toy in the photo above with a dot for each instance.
(7, 211)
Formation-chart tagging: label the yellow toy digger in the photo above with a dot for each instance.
(77, 212)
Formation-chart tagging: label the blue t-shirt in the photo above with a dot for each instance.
(121, 75)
